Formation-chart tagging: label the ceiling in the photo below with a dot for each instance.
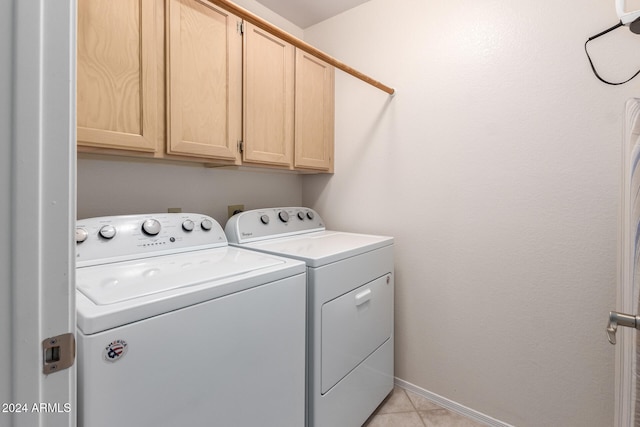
(305, 13)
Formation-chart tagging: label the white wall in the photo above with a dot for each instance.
(120, 187)
(496, 167)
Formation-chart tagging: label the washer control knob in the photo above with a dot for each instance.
(107, 232)
(301, 216)
(81, 235)
(284, 216)
(188, 225)
(206, 224)
(151, 227)
(310, 214)
(264, 219)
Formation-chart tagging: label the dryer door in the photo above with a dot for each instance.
(354, 325)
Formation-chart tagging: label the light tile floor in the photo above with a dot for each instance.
(403, 408)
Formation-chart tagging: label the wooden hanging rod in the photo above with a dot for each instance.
(267, 26)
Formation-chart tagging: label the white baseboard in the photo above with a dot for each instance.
(451, 405)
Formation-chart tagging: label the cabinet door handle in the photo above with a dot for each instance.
(362, 297)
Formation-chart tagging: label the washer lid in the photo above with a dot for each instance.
(114, 283)
(322, 247)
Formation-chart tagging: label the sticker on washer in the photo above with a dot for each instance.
(115, 350)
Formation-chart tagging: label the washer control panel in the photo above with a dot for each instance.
(119, 238)
(261, 224)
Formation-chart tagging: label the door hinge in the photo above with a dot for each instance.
(58, 353)
(241, 146)
(240, 27)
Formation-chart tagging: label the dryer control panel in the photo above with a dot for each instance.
(262, 224)
(108, 239)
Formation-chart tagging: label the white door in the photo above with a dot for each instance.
(37, 208)
(627, 412)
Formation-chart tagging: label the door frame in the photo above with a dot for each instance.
(626, 299)
(38, 207)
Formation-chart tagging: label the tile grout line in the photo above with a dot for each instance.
(413, 406)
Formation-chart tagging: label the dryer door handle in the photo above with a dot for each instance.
(362, 297)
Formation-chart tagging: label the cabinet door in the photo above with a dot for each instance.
(116, 76)
(204, 66)
(268, 98)
(314, 113)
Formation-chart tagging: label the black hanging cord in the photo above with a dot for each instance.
(619, 24)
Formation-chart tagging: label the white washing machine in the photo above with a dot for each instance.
(176, 328)
(350, 288)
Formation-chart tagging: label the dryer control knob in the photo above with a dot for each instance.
(206, 224)
(301, 216)
(151, 227)
(188, 225)
(81, 235)
(284, 217)
(310, 214)
(264, 219)
(107, 232)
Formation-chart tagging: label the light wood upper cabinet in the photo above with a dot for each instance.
(288, 106)
(314, 113)
(204, 74)
(177, 79)
(268, 71)
(117, 75)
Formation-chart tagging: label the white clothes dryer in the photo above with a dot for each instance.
(350, 288)
(175, 327)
